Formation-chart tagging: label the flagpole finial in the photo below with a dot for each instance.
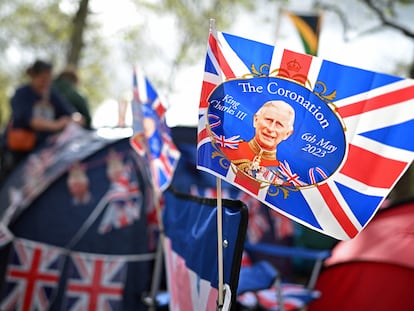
(213, 26)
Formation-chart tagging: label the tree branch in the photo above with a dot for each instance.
(386, 21)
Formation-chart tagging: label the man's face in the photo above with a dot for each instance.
(272, 125)
(41, 82)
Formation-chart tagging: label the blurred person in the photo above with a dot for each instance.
(38, 111)
(66, 84)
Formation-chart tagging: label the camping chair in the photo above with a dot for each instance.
(279, 296)
(190, 251)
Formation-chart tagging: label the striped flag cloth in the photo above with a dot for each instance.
(32, 276)
(347, 148)
(151, 131)
(95, 282)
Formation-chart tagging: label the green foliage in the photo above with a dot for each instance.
(42, 29)
(4, 108)
(406, 2)
(34, 27)
(192, 21)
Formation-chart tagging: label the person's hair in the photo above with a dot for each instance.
(277, 103)
(38, 67)
(69, 74)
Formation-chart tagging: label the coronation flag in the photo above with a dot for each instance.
(151, 131)
(349, 144)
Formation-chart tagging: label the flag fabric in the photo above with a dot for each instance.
(348, 147)
(190, 224)
(95, 282)
(151, 131)
(41, 169)
(97, 204)
(308, 27)
(124, 196)
(32, 276)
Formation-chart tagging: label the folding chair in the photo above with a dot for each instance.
(191, 250)
(279, 295)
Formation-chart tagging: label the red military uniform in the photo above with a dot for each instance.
(247, 151)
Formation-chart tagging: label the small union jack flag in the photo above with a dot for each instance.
(124, 199)
(95, 282)
(32, 276)
(230, 142)
(293, 178)
(151, 132)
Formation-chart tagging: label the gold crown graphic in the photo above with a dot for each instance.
(293, 65)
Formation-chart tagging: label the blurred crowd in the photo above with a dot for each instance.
(42, 106)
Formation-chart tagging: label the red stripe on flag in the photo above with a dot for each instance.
(137, 143)
(377, 102)
(206, 90)
(295, 66)
(247, 182)
(225, 67)
(166, 164)
(372, 169)
(337, 211)
(202, 135)
(159, 109)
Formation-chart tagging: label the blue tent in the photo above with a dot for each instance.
(76, 211)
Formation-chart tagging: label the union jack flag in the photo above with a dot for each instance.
(285, 170)
(231, 142)
(32, 276)
(124, 199)
(95, 282)
(375, 110)
(151, 131)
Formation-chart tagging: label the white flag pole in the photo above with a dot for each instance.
(220, 245)
(220, 300)
(151, 301)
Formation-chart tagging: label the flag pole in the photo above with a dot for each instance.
(220, 245)
(151, 301)
(159, 252)
(220, 301)
(280, 12)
